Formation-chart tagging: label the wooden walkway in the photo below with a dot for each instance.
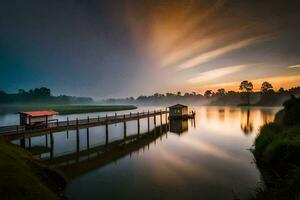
(17, 131)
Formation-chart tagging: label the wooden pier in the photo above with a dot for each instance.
(22, 132)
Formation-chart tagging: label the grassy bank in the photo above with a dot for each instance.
(64, 109)
(277, 153)
(24, 178)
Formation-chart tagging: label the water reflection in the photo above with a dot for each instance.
(250, 119)
(86, 160)
(179, 126)
(85, 153)
(247, 122)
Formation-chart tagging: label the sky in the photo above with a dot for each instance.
(115, 48)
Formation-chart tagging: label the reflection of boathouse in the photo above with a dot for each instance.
(178, 126)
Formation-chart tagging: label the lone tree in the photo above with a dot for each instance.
(221, 91)
(266, 86)
(208, 93)
(248, 87)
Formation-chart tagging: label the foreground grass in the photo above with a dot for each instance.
(277, 153)
(64, 109)
(23, 178)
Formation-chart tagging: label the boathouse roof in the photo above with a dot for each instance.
(178, 106)
(40, 113)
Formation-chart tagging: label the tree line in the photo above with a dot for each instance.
(39, 95)
(245, 95)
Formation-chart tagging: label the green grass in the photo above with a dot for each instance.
(64, 109)
(23, 178)
(276, 144)
(277, 153)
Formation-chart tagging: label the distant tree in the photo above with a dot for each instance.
(266, 87)
(170, 94)
(141, 98)
(231, 92)
(208, 93)
(221, 91)
(248, 87)
(179, 93)
(21, 91)
(41, 92)
(194, 93)
(281, 90)
(2, 92)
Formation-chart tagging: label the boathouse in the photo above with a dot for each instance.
(178, 111)
(35, 118)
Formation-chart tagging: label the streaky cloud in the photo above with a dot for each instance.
(217, 73)
(211, 55)
(293, 66)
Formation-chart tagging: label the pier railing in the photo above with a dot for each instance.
(79, 123)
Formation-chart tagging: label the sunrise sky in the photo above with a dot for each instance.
(130, 48)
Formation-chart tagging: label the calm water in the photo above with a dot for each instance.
(205, 158)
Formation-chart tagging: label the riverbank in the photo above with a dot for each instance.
(22, 177)
(65, 109)
(277, 150)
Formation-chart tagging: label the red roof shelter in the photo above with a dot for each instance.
(37, 117)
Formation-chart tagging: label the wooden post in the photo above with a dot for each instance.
(57, 122)
(51, 144)
(88, 138)
(130, 114)
(115, 115)
(29, 142)
(17, 129)
(106, 131)
(154, 118)
(77, 141)
(160, 118)
(88, 119)
(46, 120)
(148, 121)
(77, 123)
(46, 137)
(124, 127)
(166, 115)
(23, 141)
(68, 123)
(98, 118)
(138, 121)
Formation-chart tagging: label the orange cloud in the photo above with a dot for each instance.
(216, 73)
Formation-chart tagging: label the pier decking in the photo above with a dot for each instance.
(20, 131)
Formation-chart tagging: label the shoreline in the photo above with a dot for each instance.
(64, 109)
(26, 178)
(276, 152)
